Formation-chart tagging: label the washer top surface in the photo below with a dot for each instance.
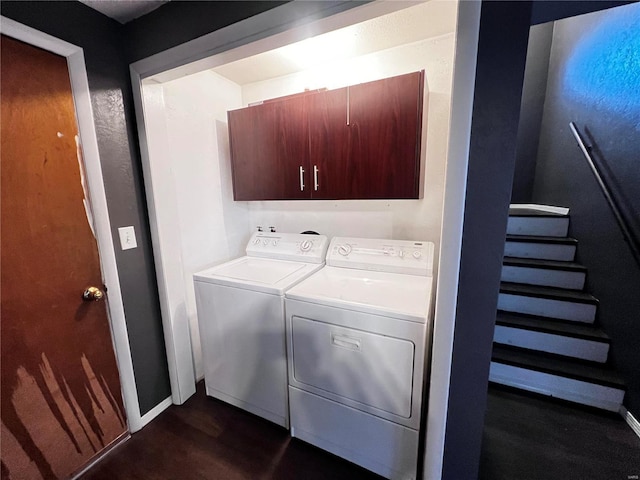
(402, 296)
(274, 262)
(260, 274)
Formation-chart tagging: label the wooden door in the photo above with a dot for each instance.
(385, 123)
(329, 147)
(61, 395)
(269, 147)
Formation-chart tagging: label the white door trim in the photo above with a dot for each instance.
(98, 203)
(464, 74)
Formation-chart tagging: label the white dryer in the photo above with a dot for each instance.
(356, 333)
(240, 307)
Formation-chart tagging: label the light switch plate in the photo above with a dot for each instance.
(127, 238)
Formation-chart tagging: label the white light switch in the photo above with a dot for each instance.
(127, 238)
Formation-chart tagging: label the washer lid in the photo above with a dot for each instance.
(260, 274)
(406, 297)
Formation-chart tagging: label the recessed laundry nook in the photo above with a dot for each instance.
(339, 129)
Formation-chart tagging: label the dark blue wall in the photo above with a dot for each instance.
(594, 81)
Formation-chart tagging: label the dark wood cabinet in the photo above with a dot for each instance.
(385, 119)
(332, 173)
(358, 142)
(269, 148)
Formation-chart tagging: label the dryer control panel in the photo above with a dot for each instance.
(393, 256)
(288, 246)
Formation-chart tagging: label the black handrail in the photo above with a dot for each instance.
(627, 233)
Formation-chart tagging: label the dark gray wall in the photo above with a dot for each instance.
(504, 29)
(594, 81)
(180, 21)
(532, 107)
(109, 84)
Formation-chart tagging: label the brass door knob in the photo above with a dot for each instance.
(92, 294)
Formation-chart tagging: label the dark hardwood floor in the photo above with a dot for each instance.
(209, 439)
(526, 438)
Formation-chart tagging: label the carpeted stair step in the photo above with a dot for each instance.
(575, 340)
(541, 247)
(573, 380)
(550, 273)
(523, 221)
(547, 302)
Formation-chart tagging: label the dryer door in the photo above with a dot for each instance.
(372, 369)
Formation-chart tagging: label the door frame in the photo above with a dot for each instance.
(98, 205)
(279, 26)
(282, 25)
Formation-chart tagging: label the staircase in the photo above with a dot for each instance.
(546, 337)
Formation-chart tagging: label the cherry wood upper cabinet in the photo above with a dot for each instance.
(269, 150)
(385, 120)
(358, 142)
(331, 171)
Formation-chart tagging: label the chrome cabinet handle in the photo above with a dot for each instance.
(348, 106)
(315, 177)
(301, 179)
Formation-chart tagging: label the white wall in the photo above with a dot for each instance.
(210, 227)
(400, 219)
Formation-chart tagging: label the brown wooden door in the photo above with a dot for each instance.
(61, 396)
(269, 145)
(385, 123)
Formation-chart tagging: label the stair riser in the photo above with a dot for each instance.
(540, 251)
(544, 277)
(578, 391)
(545, 307)
(551, 343)
(542, 226)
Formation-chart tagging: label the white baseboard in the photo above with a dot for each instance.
(155, 411)
(631, 420)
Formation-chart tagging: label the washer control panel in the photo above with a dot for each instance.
(393, 256)
(288, 246)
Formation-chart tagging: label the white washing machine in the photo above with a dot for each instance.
(240, 307)
(356, 333)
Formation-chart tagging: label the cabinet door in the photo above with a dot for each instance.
(332, 173)
(269, 147)
(385, 126)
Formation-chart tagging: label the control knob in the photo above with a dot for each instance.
(306, 245)
(417, 254)
(256, 241)
(344, 250)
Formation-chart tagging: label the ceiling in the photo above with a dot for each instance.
(419, 22)
(124, 10)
